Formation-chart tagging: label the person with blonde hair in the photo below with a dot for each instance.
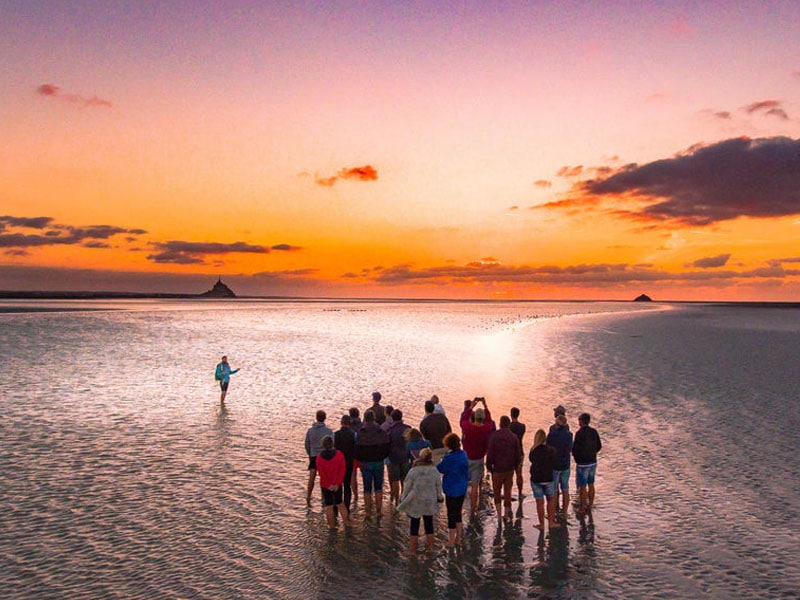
(421, 497)
(543, 458)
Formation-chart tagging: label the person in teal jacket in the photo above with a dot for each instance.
(223, 375)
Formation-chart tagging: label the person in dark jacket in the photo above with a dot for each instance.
(372, 447)
(518, 428)
(355, 425)
(398, 456)
(434, 426)
(543, 458)
(380, 411)
(585, 448)
(560, 438)
(344, 440)
(502, 457)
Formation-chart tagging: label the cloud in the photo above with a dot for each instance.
(739, 177)
(711, 262)
(285, 248)
(717, 114)
(768, 107)
(584, 275)
(49, 90)
(543, 183)
(188, 253)
(365, 173)
(568, 171)
(56, 234)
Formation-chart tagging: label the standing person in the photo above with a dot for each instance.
(372, 447)
(421, 497)
(543, 457)
(502, 457)
(331, 468)
(355, 425)
(455, 479)
(476, 429)
(518, 429)
(434, 426)
(344, 440)
(380, 411)
(560, 438)
(585, 448)
(414, 445)
(436, 406)
(313, 445)
(558, 410)
(223, 375)
(398, 461)
(387, 414)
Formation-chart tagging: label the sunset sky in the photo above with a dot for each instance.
(540, 150)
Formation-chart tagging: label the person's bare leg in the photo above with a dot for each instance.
(345, 513)
(520, 495)
(473, 498)
(429, 540)
(451, 538)
(552, 502)
(564, 501)
(459, 532)
(312, 475)
(412, 545)
(394, 493)
(329, 517)
(583, 500)
(367, 502)
(507, 484)
(540, 513)
(591, 496)
(222, 396)
(378, 503)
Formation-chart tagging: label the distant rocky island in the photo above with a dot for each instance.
(643, 298)
(219, 291)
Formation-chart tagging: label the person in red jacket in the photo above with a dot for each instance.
(332, 467)
(476, 427)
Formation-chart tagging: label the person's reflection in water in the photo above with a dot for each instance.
(222, 425)
(550, 570)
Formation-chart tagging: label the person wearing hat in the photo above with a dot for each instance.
(422, 494)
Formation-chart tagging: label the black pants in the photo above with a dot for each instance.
(454, 505)
(348, 492)
(428, 519)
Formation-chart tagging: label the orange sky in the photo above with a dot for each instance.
(519, 151)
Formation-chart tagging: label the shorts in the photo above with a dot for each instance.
(584, 475)
(372, 476)
(501, 486)
(414, 525)
(330, 498)
(312, 463)
(223, 385)
(543, 490)
(475, 471)
(397, 471)
(561, 480)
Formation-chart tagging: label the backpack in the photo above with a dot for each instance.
(218, 373)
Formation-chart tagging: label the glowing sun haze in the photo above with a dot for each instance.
(450, 149)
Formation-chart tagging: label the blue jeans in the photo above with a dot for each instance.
(542, 490)
(584, 475)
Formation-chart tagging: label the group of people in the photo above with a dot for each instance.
(431, 465)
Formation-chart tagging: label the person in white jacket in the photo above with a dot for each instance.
(422, 495)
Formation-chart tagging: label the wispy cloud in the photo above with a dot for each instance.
(711, 262)
(543, 183)
(365, 173)
(50, 90)
(568, 171)
(187, 253)
(768, 107)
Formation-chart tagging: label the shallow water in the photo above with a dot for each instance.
(121, 477)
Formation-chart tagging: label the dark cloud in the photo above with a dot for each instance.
(734, 178)
(767, 107)
(96, 244)
(56, 234)
(365, 173)
(286, 248)
(28, 222)
(586, 275)
(711, 262)
(187, 253)
(49, 90)
(717, 114)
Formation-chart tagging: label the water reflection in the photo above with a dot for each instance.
(549, 574)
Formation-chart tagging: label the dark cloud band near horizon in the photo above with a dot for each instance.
(739, 177)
